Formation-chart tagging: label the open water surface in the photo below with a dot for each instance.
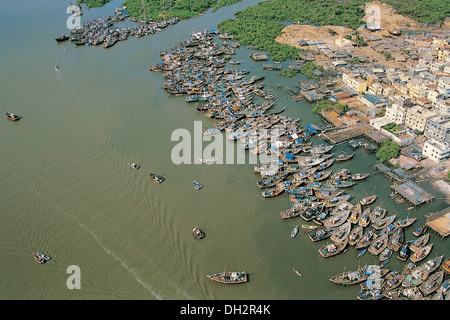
(66, 189)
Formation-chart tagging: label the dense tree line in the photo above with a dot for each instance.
(388, 150)
(425, 11)
(93, 3)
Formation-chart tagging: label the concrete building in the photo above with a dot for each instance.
(438, 128)
(436, 151)
(354, 82)
(416, 118)
(396, 113)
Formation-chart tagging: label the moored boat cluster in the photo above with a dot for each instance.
(197, 68)
(103, 31)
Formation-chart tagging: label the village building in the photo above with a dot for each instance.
(436, 151)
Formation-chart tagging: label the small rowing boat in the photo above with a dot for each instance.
(133, 165)
(197, 185)
(40, 257)
(297, 272)
(294, 232)
(155, 177)
(229, 277)
(12, 116)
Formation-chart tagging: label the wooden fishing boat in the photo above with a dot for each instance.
(355, 214)
(368, 200)
(378, 245)
(432, 264)
(361, 253)
(133, 165)
(326, 194)
(385, 254)
(396, 239)
(408, 268)
(291, 213)
(344, 157)
(272, 192)
(349, 277)
(297, 272)
(326, 164)
(392, 280)
(355, 235)
(312, 211)
(157, 178)
(420, 231)
(229, 277)
(420, 242)
(364, 220)
(369, 294)
(321, 234)
(404, 252)
(334, 201)
(12, 116)
(340, 183)
(40, 257)
(332, 249)
(415, 277)
(341, 233)
(405, 222)
(446, 266)
(294, 232)
(62, 38)
(320, 149)
(266, 183)
(377, 213)
(421, 254)
(197, 233)
(319, 176)
(337, 219)
(359, 176)
(412, 293)
(381, 223)
(309, 227)
(432, 283)
(197, 185)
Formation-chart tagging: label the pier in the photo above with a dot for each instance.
(345, 134)
(439, 222)
(413, 193)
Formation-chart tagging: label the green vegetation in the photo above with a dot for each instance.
(387, 151)
(93, 3)
(224, 3)
(387, 55)
(259, 25)
(326, 105)
(289, 73)
(430, 11)
(448, 174)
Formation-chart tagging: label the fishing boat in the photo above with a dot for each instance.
(334, 201)
(421, 254)
(412, 293)
(432, 264)
(355, 214)
(377, 213)
(197, 185)
(12, 116)
(359, 176)
(392, 280)
(321, 175)
(368, 200)
(155, 177)
(337, 219)
(133, 165)
(396, 239)
(62, 38)
(332, 249)
(229, 277)
(381, 223)
(197, 233)
(326, 194)
(378, 245)
(405, 222)
(320, 149)
(404, 252)
(349, 277)
(415, 277)
(40, 257)
(420, 231)
(291, 213)
(364, 220)
(432, 283)
(408, 268)
(235, 62)
(446, 266)
(294, 232)
(385, 254)
(361, 253)
(272, 192)
(297, 272)
(56, 68)
(321, 234)
(344, 157)
(326, 164)
(355, 235)
(309, 227)
(341, 233)
(207, 161)
(420, 242)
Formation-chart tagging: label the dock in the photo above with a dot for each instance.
(439, 221)
(413, 193)
(269, 66)
(345, 134)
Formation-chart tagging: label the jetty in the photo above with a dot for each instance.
(413, 193)
(345, 134)
(439, 222)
